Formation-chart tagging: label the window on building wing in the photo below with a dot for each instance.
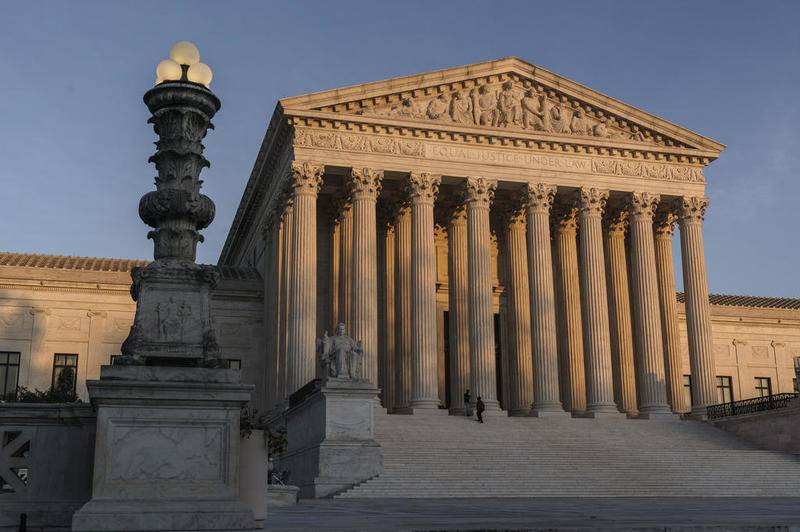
(687, 391)
(65, 366)
(763, 386)
(725, 389)
(9, 375)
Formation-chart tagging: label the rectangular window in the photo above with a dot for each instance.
(62, 363)
(725, 389)
(763, 386)
(9, 375)
(794, 384)
(234, 363)
(687, 391)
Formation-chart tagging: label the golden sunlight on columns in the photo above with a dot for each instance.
(568, 289)
(663, 228)
(458, 305)
(306, 179)
(698, 310)
(283, 320)
(402, 280)
(619, 311)
(646, 309)
(538, 203)
(345, 262)
(364, 185)
(480, 193)
(388, 380)
(594, 300)
(520, 360)
(422, 191)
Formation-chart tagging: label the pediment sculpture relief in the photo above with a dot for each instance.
(517, 105)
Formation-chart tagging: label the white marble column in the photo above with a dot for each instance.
(306, 179)
(698, 310)
(272, 283)
(619, 309)
(518, 302)
(568, 291)
(458, 306)
(402, 309)
(345, 263)
(538, 203)
(365, 185)
(283, 318)
(646, 310)
(480, 193)
(389, 326)
(422, 190)
(663, 228)
(594, 304)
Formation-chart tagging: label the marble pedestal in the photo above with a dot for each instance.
(331, 446)
(166, 451)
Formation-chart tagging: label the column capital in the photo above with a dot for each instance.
(565, 217)
(617, 220)
(480, 191)
(423, 187)
(306, 178)
(692, 208)
(664, 223)
(512, 215)
(539, 197)
(642, 205)
(592, 201)
(365, 183)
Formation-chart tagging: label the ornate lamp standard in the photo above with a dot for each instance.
(173, 324)
(167, 444)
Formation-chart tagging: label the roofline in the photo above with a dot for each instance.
(487, 68)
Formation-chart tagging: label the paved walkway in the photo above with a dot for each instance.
(539, 514)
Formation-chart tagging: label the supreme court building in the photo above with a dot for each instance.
(493, 227)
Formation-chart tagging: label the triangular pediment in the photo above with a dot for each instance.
(505, 95)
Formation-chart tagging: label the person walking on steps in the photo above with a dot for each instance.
(467, 409)
(479, 408)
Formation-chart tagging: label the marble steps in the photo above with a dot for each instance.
(452, 456)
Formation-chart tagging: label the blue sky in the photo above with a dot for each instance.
(74, 143)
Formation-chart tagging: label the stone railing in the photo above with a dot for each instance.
(750, 406)
(46, 458)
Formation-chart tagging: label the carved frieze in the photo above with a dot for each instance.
(510, 103)
(526, 158)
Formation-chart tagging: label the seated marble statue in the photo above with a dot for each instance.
(340, 356)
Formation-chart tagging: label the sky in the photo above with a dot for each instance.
(74, 141)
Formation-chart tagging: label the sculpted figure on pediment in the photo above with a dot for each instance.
(460, 108)
(601, 128)
(558, 119)
(508, 106)
(485, 106)
(406, 109)
(437, 108)
(577, 125)
(533, 115)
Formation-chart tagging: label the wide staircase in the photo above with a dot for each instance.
(452, 456)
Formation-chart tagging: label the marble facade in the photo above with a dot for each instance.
(537, 213)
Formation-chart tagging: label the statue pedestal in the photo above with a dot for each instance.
(167, 450)
(330, 438)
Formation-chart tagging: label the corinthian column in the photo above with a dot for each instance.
(646, 310)
(458, 306)
(698, 311)
(479, 196)
(520, 366)
(306, 179)
(594, 299)
(283, 319)
(402, 308)
(422, 190)
(568, 290)
(538, 202)
(386, 305)
(665, 270)
(345, 260)
(619, 307)
(364, 185)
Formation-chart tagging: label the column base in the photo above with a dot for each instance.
(425, 404)
(660, 416)
(519, 412)
(401, 411)
(699, 413)
(601, 411)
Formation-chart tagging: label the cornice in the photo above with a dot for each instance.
(493, 137)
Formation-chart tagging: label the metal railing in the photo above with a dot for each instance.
(750, 406)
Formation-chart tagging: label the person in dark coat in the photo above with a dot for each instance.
(467, 399)
(479, 408)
